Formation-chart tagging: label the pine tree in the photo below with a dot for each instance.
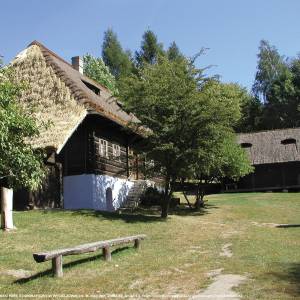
(113, 55)
(151, 49)
(173, 52)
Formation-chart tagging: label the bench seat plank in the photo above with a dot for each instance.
(85, 248)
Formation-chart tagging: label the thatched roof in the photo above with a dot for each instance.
(63, 97)
(272, 146)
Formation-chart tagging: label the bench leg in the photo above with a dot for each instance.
(106, 253)
(137, 244)
(57, 266)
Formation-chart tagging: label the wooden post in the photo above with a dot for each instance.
(106, 253)
(6, 209)
(57, 266)
(137, 244)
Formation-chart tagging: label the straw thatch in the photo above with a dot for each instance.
(54, 102)
(272, 146)
(61, 97)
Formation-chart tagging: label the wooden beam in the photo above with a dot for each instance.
(85, 248)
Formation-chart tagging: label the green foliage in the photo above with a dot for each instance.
(281, 109)
(251, 114)
(270, 67)
(222, 157)
(173, 52)
(186, 122)
(118, 61)
(163, 96)
(277, 85)
(96, 69)
(150, 51)
(218, 154)
(20, 165)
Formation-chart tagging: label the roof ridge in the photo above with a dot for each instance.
(268, 130)
(75, 82)
(37, 43)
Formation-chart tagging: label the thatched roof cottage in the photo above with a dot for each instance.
(275, 154)
(89, 139)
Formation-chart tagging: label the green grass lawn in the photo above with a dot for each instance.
(174, 258)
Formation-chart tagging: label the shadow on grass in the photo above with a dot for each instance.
(184, 210)
(127, 217)
(290, 273)
(146, 214)
(142, 214)
(70, 265)
(287, 226)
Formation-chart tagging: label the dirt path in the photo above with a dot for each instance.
(222, 288)
(226, 250)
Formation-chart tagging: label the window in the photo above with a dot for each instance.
(103, 148)
(288, 141)
(246, 145)
(116, 150)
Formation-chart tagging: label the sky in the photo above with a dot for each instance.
(230, 29)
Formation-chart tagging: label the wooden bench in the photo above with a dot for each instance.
(56, 255)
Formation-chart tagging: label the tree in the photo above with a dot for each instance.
(150, 51)
(295, 101)
(277, 86)
(20, 164)
(251, 114)
(269, 68)
(173, 52)
(218, 154)
(96, 69)
(183, 119)
(279, 110)
(118, 61)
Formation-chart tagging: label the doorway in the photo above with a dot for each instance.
(109, 200)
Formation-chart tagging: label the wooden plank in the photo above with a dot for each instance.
(113, 162)
(85, 248)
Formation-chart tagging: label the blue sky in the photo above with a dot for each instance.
(231, 29)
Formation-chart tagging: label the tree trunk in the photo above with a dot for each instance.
(199, 197)
(165, 208)
(187, 200)
(6, 209)
(199, 202)
(184, 194)
(166, 200)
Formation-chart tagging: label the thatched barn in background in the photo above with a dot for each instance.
(91, 140)
(275, 155)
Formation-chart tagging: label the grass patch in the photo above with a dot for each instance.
(174, 258)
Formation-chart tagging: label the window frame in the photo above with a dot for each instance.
(116, 151)
(103, 148)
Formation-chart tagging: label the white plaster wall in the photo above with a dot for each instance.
(88, 191)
